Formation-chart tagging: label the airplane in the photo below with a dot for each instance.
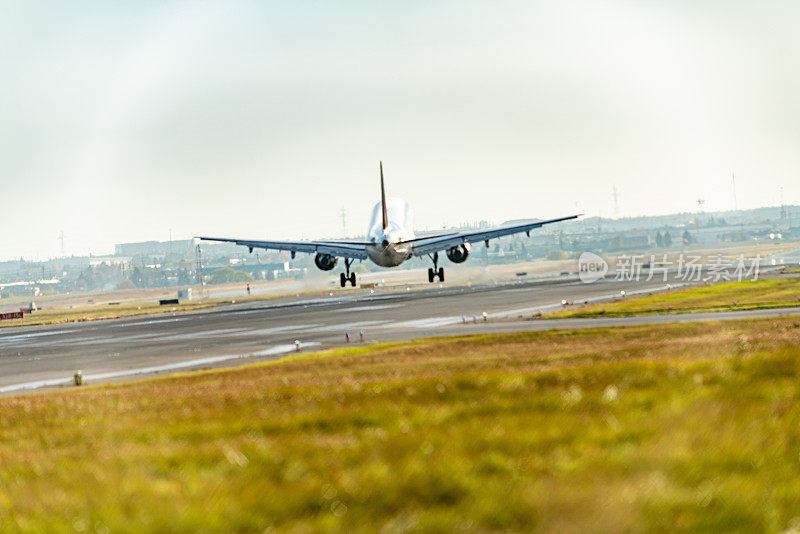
(391, 241)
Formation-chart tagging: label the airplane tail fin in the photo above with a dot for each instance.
(383, 202)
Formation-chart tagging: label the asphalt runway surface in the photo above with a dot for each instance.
(45, 358)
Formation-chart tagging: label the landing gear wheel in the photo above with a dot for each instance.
(347, 277)
(436, 271)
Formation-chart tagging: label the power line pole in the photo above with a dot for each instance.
(199, 268)
(784, 212)
(344, 223)
(63, 248)
(700, 203)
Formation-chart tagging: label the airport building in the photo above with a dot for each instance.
(174, 263)
(154, 248)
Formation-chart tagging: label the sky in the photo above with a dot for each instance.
(139, 120)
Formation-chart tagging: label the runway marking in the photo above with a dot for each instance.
(277, 330)
(368, 308)
(128, 339)
(423, 323)
(51, 343)
(124, 339)
(18, 337)
(343, 327)
(317, 302)
(169, 319)
(155, 321)
(278, 349)
(200, 334)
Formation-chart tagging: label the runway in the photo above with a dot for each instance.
(39, 358)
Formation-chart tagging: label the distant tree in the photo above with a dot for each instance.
(125, 284)
(687, 238)
(87, 278)
(185, 277)
(226, 275)
(667, 239)
(137, 277)
(659, 239)
(556, 254)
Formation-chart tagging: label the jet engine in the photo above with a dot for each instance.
(325, 262)
(458, 254)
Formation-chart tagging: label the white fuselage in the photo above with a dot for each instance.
(385, 248)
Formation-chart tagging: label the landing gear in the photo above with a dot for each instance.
(347, 276)
(436, 271)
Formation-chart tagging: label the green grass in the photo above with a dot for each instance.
(691, 427)
(745, 295)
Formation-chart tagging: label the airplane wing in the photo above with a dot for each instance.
(428, 245)
(342, 249)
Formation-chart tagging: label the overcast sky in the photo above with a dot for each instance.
(122, 120)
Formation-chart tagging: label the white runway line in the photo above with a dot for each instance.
(368, 308)
(424, 323)
(23, 337)
(150, 321)
(279, 349)
(278, 330)
(344, 327)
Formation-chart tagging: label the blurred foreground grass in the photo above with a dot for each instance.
(744, 295)
(686, 427)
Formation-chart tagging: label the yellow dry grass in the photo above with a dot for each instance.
(669, 428)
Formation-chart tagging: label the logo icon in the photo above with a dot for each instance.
(591, 267)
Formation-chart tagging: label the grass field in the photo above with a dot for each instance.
(745, 295)
(106, 311)
(99, 312)
(675, 428)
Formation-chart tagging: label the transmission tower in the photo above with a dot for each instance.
(199, 269)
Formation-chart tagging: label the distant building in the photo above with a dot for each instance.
(259, 271)
(94, 261)
(154, 248)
